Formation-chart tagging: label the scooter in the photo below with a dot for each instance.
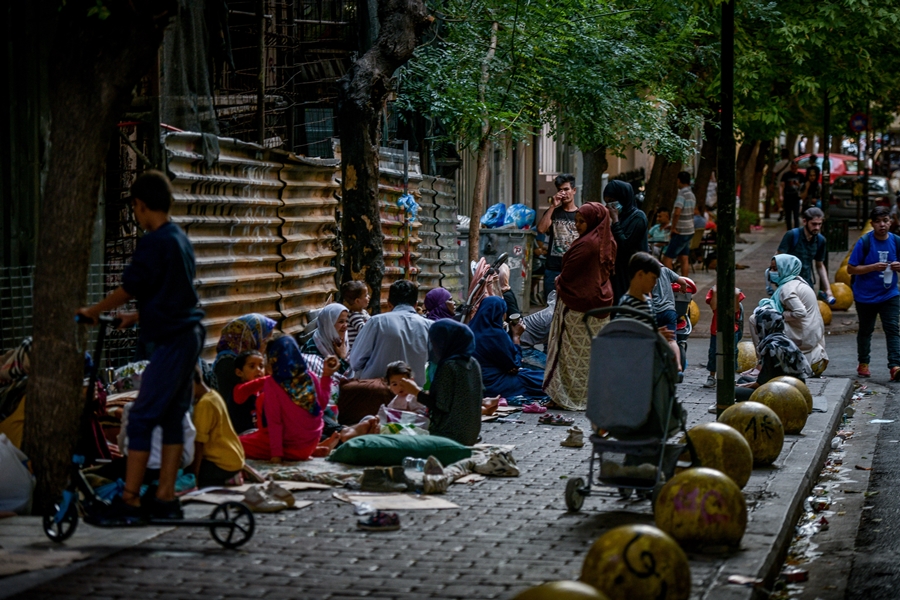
(684, 328)
(231, 524)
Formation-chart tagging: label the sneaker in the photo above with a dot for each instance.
(379, 479)
(863, 370)
(713, 409)
(156, 509)
(710, 382)
(259, 502)
(500, 464)
(575, 439)
(116, 513)
(433, 466)
(276, 492)
(680, 378)
(895, 373)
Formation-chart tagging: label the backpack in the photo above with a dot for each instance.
(795, 239)
(867, 245)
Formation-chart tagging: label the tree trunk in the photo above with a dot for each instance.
(709, 156)
(762, 156)
(836, 144)
(93, 67)
(595, 165)
(662, 187)
(361, 99)
(484, 147)
(746, 163)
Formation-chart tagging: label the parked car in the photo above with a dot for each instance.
(841, 164)
(844, 205)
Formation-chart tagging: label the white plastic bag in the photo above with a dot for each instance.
(16, 483)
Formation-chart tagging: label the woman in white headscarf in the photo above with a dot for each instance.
(329, 338)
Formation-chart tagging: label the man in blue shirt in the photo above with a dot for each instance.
(401, 334)
(874, 265)
(807, 244)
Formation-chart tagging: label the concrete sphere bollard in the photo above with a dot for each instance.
(760, 426)
(787, 402)
(721, 447)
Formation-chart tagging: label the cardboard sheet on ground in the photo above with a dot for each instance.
(22, 561)
(397, 501)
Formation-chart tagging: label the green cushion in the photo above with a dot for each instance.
(388, 450)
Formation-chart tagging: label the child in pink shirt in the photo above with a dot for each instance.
(295, 400)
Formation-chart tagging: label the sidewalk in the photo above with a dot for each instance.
(506, 534)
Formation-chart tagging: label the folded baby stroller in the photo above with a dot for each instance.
(632, 409)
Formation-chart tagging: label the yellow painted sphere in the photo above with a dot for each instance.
(561, 590)
(702, 507)
(693, 313)
(721, 447)
(842, 276)
(746, 357)
(787, 402)
(637, 562)
(846, 260)
(760, 426)
(843, 296)
(807, 395)
(825, 311)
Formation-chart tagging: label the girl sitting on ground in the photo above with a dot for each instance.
(777, 354)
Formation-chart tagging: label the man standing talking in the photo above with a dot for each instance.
(558, 222)
(808, 244)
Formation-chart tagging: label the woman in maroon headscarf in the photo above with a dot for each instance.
(583, 284)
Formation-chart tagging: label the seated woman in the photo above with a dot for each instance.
(249, 332)
(295, 400)
(14, 367)
(439, 305)
(500, 355)
(778, 355)
(455, 399)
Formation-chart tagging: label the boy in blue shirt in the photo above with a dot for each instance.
(874, 265)
(161, 278)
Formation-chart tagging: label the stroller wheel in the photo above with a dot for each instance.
(61, 523)
(575, 494)
(625, 493)
(241, 525)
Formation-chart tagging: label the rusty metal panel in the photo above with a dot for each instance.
(229, 210)
(452, 276)
(309, 231)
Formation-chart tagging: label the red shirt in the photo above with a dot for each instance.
(737, 315)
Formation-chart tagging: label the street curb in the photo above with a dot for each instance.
(769, 533)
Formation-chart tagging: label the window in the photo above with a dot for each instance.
(318, 127)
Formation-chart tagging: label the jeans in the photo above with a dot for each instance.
(890, 322)
(534, 358)
(792, 214)
(711, 357)
(549, 281)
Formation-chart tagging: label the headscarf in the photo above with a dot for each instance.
(773, 342)
(14, 364)
(789, 268)
(492, 343)
(487, 290)
(244, 333)
(326, 336)
(436, 304)
(622, 193)
(289, 372)
(448, 339)
(584, 283)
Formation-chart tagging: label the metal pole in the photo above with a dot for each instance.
(261, 74)
(860, 201)
(826, 165)
(726, 221)
(865, 165)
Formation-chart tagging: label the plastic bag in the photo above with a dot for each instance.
(16, 483)
(519, 215)
(494, 216)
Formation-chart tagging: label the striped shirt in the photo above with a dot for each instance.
(357, 320)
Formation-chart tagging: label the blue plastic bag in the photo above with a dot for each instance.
(494, 216)
(520, 215)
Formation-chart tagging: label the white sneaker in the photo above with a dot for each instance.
(710, 382)
(500, 464)
(276, 492)
(257, 501)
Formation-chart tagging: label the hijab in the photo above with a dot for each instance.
(289, 372)
(487, 290)
(789, 268)
(326, 336)
(622, 193)
(436, 304)
(448, 339)
(244, 333)
(773, 343)
(584, 283)
(491, 340)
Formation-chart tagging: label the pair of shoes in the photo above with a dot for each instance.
(534, 407)
(383, 479)
(895, 373)
(257, 500)
(575, 439)
(116, 513)
(863, 370)
(379, 521)
(548, 419)
(710, 382)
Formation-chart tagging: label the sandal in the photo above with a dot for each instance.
(561, 420)
(534, 407)
(545, 419)
(380, 521)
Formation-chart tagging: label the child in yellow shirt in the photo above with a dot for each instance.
(218, 454)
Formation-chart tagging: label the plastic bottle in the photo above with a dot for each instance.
(416, 464)
(888, 276)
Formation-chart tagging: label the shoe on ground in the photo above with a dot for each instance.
(276, 492)
(575, 439)
(379, 479)
(863, 370)
(710, 382)
(380, 521)
(500, 464)
(433, 466)
(257, 501)
(116, 513)
(713, 409)
(895, 373)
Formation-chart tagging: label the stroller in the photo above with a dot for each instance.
(684, 327)
(633, 410)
